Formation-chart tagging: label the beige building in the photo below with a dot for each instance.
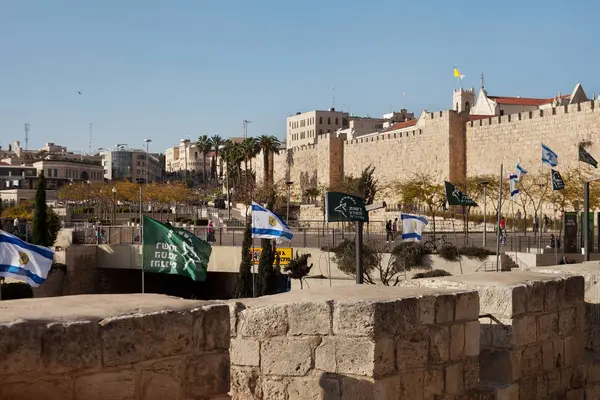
(186, 156)
(60, 172)
(304, 128)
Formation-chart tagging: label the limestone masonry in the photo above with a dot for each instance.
(473, 139)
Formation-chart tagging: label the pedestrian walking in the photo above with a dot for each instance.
(210, 232)
(16, 226)
(389, 235)
(395, 229)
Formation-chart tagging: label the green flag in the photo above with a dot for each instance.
(456, 197)
(586, 157)
(170, 250)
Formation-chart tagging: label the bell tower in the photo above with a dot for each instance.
(463, 99)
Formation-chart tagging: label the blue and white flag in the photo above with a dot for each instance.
(24, 261)
(513, 179)
(413, 226)
(548, 156)
(268, 225)
(520, 171)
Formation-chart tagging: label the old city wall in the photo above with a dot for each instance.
(508, 138)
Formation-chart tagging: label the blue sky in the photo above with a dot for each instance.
(168, 70)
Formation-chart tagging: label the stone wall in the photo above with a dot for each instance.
(360, 342)
(532, 341)
(507, 138)
(113, 347)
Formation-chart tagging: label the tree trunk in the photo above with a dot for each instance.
(266, 167)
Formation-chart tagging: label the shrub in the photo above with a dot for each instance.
(16, 290)
(448, 252)
(475, 252)
(431, 274)
(408, 255)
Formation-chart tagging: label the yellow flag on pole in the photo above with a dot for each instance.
(457, 74)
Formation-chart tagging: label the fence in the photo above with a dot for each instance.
(326, 237)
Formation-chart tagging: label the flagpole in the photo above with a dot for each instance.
(578, 214)
(142, 237)
(457, 250)
(498, 220)
(253, 265)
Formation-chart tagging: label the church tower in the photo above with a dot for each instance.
(463, 99)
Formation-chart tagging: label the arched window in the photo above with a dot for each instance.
(467, 106)
(456, 108)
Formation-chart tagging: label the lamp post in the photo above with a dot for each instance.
(289, 186)
(147, 141)
(114, 192)
(484, 184)
(222, 147)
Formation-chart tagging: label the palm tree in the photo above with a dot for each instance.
(216, 141)
(269, 145)
(251, 149)
(204, 145)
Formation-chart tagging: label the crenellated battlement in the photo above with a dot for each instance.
(588, 106)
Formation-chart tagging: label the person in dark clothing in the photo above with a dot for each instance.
(389, 234)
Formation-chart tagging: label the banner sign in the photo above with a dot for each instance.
(342, 207)
(570, 240)
(457, 198)
(590, 230)
(285, 255)
(557, 181)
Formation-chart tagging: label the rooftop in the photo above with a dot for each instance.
(525, 101)
(401, 125)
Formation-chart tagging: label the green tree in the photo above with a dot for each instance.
(243, 286)
(265, 269)
(40, 216)
(423, 191)
(269, 145)
(216, 141)
(364, 186)
(204, 146)
(298, 268)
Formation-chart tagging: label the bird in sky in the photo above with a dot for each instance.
(79, 92)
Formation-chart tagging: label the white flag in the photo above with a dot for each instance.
(268, 225)
(513, 179)
(520, 171)
(548, 156)
(412, 227)
(24, 261)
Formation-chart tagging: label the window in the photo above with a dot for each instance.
(49, 172)
(336, 120)
(501, 112)
(55, 173)
(328, 120)
(467, 106)
(456, 107)
(320, 120)
(195, 155)
(320, 131)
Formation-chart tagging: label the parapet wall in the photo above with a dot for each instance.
(356, 343)
(113, 347)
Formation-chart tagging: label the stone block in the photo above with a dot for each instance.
(264, 321)
(161, 380)
(547, 326)
(574, 290)
(467, 306)
(508, 392)
(352, 318)
(353, 388)
(135, 338)
(216, 327)
(542, 386)
(274, 388)
(472, 337)
(288, 356)
(384, 358)
(548, 361)
(235, 309)
(434, 382)
(71, 346)
(118, 384)
(46, 388)
(411, 385)
(246, 383)
(20, 346)
(454, 379)
(574, 349)
(396, 317)
(471, 373)
(506, 301)
(355, 356)
(502, 333)
(576, 394)
(439, 344)
(524, 330)
(325, 355)
(244, 352)
(531, 360)
(566, 374)
(553, 382)
(593, 372)
(310, 318)
(444, 308)
(457, 342)
(207, 375)
(314, 387)
(427, 310)
(553, 291)
(580, 320)
(412, 351)
(566, 321)
(528, 388)
(535, 297)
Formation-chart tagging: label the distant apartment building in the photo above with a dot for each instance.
(59, 172)
(186, 157)
(304, 128)
(132, 165)
(17, 176)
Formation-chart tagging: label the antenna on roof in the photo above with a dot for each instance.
(333, 89)
(482, 81)
(26, 136)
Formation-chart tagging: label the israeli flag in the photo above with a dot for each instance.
(513, 178)
(268, 225)
(548, 156)
(24, 261)
(520, 171)
(412, 227)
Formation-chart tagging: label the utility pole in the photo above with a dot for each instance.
(245, 124)
(26, 136)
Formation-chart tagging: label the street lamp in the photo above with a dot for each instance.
(114, 192)
(289, 186)
(221, 147)
(147, 141)
(484, 184)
